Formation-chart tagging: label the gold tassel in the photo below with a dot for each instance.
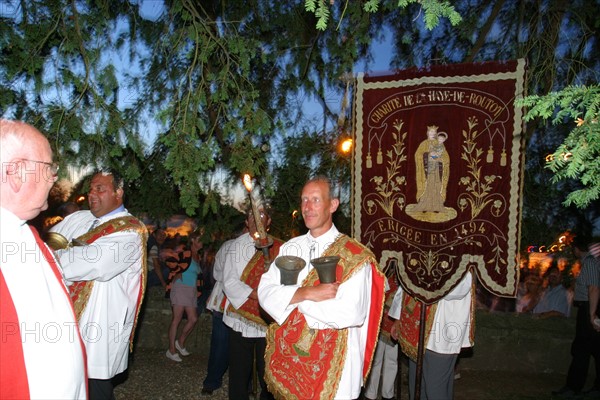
(379, 156)
(369, 161)
(503, 158)
(490, 155)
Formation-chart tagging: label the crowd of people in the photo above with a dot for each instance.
(545, 289)
(69, 310)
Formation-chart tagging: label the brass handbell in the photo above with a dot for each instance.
(290, 267)
(56, 241)
(326, 268)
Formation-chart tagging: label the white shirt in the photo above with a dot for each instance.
(452, 321)
(114, 263)
(217, 294)
(52, 349)
(349, 309)
(238, 253)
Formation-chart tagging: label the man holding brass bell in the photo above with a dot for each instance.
(41, 352)
(322, 343)
(244, 264)
(105, 266)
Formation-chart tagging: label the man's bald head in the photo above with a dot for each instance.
(27, 172)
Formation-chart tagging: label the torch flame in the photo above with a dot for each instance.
(248, 182)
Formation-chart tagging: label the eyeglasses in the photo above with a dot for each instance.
(53, 167)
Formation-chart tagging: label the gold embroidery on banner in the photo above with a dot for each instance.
(480, 191)
(388, 191)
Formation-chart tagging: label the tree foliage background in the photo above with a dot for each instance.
(168, 92)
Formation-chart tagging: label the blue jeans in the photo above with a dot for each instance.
(218, 360)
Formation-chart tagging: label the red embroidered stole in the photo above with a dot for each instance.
(304, 363)
(251, 275)
(410, 325)
(13, 373)
(81, 291)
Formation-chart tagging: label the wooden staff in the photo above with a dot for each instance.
(420, 351)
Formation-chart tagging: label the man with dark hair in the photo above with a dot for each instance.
(244, 265)
(555, 300)
(586, 343)
(106, 269)
(41, 351)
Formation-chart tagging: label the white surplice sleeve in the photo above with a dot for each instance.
(104, 259)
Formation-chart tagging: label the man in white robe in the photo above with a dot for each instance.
(41, 352)
(107, 277)
(349, 309)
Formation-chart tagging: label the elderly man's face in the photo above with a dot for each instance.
(103, 198)
(37, 178)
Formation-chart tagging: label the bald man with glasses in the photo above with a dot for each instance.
(41, 351)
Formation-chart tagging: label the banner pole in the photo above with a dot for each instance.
(420, 351)
(399, 373)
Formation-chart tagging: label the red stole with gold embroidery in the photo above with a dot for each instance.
(81, 291)
(251, 275)
(304, 363)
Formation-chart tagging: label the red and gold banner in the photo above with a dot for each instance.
(438, 174)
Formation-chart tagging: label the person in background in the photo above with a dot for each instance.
(185, 266)
(32, 291)
(157, 270)
(67, 208)
(586, 343)
(533, 291)
(105, 268)
(323, 341)
(595, 249)
(442, 345)
(218, 359)
(244, 265)
(555, 300)
(207, 261)
(385, 361)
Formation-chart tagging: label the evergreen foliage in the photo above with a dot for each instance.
(578, 157)
(222, 84)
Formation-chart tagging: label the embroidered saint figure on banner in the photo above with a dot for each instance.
(432, 166)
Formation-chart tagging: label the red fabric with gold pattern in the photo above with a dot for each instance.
(304, 363)
(251, 277)
(409, 321)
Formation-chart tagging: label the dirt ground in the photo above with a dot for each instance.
(152, 376)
